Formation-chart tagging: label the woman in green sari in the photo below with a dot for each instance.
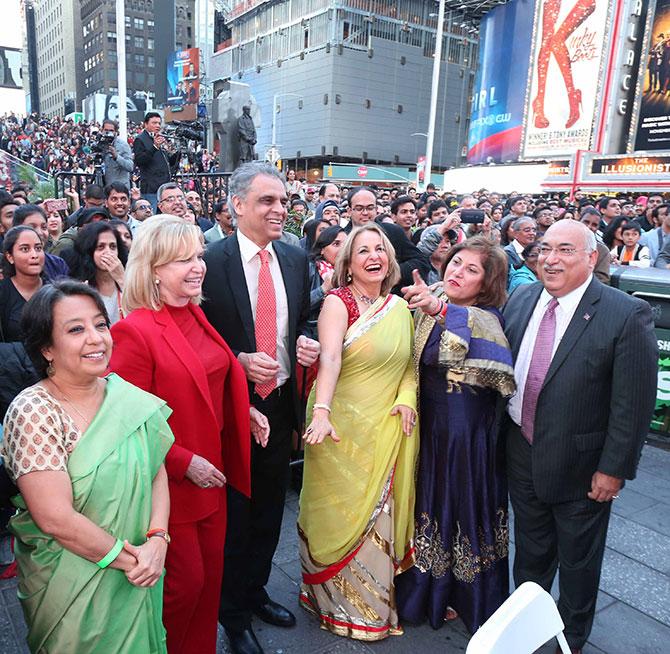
(357, 502)
(86, 453)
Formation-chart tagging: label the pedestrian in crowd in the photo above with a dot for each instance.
(464, 366)
(166, 346)
(8, 206)
(321, 268)
(117, 201)
(257, 298)
(311, 230)
(63, 246)
(517, 206)
(123, 230)
(524, 232)
(141, 209)
(329, 211)
(656, 238)
(544, 219)
(362, 203)
(612, 233)
(585, 369)
(154, 156)
(224, 226)
(403, 214)
(171, 200)
(94, 198)
(98, 258)
(631, 253)
(349, 558)
(32, 215)
(55, 222)
(526, 273)
(590, 218)
(293, 185)
(117, 157)
(92, 513)
(329, 191)
(609, 208)
(22, 277)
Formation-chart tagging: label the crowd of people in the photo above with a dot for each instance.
(55, 144)
(435, 354)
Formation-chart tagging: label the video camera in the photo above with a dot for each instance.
(105, 140)
(184, 130)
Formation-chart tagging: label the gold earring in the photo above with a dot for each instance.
(51, 370)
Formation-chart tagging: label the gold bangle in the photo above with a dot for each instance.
(325, 407)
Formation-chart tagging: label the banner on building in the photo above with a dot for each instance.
(101, 106)
(183, 77)
(652, 127)
(10, 68)
(496, 116)
(569, 41)
(630, 166)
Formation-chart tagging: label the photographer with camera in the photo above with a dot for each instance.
(154, 157)
(117, 157)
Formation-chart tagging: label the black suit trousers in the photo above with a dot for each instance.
(568, 536)
(254, 525)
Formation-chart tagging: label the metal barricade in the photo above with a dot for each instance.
(65, 180)
(211, 187)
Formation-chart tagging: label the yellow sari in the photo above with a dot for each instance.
(357, 504)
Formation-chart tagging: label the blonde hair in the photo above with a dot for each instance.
(159, 240)
(344, 257)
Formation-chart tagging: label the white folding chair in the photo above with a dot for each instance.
(527, 620)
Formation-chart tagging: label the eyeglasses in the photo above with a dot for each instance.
(562, 251)
(173, 198)
(371, 208)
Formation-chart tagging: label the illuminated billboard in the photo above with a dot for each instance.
(569, 40)
(652, 120)
(496, 118)
(183, 77)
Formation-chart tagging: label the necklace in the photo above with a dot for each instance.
(71, 403)
(364, 298)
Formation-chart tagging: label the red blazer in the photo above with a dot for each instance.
(151, 352)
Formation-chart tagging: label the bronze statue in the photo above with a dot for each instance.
(247, 135)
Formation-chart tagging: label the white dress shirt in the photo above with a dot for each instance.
(251, 263)
(567, 305)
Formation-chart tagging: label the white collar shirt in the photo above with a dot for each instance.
(251, 264)
(567, 305)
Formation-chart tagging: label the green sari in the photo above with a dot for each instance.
(69, 603)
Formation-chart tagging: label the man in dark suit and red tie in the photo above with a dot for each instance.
(257, 297)
(585, 367)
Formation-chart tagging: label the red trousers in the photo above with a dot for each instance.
(194, 568)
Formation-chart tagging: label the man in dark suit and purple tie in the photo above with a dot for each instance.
(585, 368)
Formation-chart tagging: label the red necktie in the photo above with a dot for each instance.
(538, 368)
(266, 319)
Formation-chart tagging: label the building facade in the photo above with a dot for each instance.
(153, 29)
(351, 79)
(54, 32)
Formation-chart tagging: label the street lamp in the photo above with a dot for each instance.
(433, 93)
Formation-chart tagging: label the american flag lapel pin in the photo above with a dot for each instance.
(587, 316)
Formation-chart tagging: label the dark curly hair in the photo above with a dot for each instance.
(37, 320)
(82, 265)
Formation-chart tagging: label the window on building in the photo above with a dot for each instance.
(151, 62)
(139, 42)
(139, 23)
(127, 22)
(150, 24)
(150, 44)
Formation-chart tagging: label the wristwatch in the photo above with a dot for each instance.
(161, 533)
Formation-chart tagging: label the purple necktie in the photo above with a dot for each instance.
(538, 368)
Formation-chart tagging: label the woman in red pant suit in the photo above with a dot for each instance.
(167, 347)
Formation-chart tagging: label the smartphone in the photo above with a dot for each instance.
(472, 216)
(55, 204)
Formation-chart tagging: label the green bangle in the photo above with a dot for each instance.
(111, 555)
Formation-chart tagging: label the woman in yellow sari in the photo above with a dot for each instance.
(357, 501)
